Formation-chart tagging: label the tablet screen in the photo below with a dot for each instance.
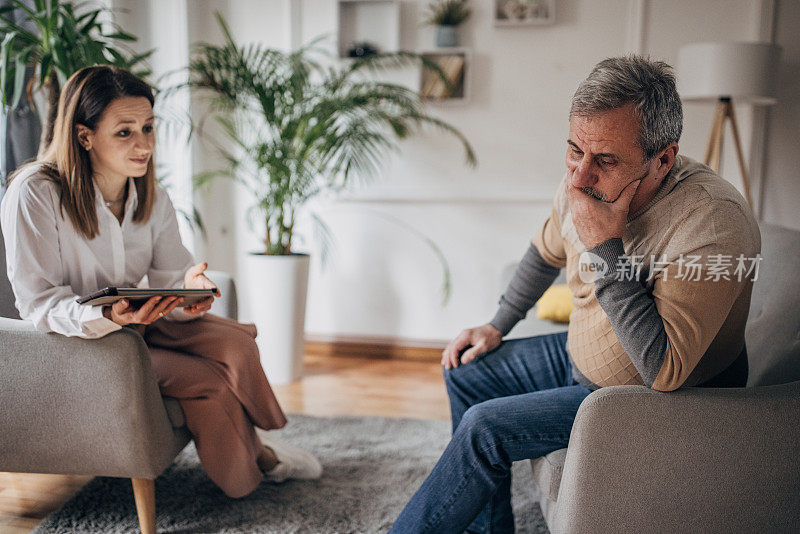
(138, 296)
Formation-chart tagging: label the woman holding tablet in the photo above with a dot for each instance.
(89, 214)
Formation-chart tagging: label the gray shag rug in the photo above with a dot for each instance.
(372, 466)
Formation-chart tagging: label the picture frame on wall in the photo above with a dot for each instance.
(524, 12)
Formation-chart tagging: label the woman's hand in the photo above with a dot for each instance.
(154, 309)
(195, 279)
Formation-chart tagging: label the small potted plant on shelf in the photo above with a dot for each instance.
(293, 129)
(447, 15)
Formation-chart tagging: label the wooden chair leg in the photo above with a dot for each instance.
(144, 492)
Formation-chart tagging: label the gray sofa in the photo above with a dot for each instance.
(696, 459)
(89, 407)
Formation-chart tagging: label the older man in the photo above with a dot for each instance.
(660, 255)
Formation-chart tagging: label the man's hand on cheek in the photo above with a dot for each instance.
(597, 221)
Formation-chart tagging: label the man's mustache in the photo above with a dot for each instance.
(602, 197)
(592, 193)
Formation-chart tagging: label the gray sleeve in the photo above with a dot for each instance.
(631, 311)
(532, 277)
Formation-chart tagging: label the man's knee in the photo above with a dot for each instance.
(480, 428)
(480, 423)
(458, 376)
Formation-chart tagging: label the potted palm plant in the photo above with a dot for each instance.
(294, 129)
(65, 41)
(447, 16)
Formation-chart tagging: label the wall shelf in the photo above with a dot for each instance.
(456, 62)
(374, 22)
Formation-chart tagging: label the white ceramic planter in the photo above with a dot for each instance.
(278, 286)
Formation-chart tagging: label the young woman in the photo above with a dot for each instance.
(90, 214)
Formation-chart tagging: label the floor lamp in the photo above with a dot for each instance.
(722, 73)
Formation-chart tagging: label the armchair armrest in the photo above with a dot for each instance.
(70, 405)
(226, 305)
(692, 460)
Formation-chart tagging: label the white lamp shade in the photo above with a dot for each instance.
(740, 71)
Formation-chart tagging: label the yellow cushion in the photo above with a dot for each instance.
(556, 304)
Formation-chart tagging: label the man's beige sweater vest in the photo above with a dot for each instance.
(695, 217)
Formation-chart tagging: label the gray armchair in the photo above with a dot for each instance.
(89, 407)
(697, 459)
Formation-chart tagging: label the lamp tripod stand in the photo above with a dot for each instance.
(714, 150)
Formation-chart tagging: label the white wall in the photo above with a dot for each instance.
(162, 26)
(383, 280)
(781, 187)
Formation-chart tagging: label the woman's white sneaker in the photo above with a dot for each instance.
(293, 462)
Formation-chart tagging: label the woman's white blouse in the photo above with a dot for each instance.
(50, 264)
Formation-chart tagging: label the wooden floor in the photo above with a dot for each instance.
(331, 386)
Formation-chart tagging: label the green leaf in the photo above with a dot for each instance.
(138, 58)
(8, 43)
(118, 59)
(67, 37)
(12, 27)
(69, 19)
(224, 27)
(45, 65)
(52, 10)
(95, 52)
(203, 179)
(59, 54)
(19, 79)
(20, 4)
(143, 74)
(6, 71)
(122, 36)
(85, 27)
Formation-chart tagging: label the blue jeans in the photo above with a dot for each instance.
(516, 402)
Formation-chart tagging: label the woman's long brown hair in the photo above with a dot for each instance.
(83, 100)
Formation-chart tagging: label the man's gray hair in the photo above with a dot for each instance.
(648, 85)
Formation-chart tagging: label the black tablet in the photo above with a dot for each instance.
(138, 296)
